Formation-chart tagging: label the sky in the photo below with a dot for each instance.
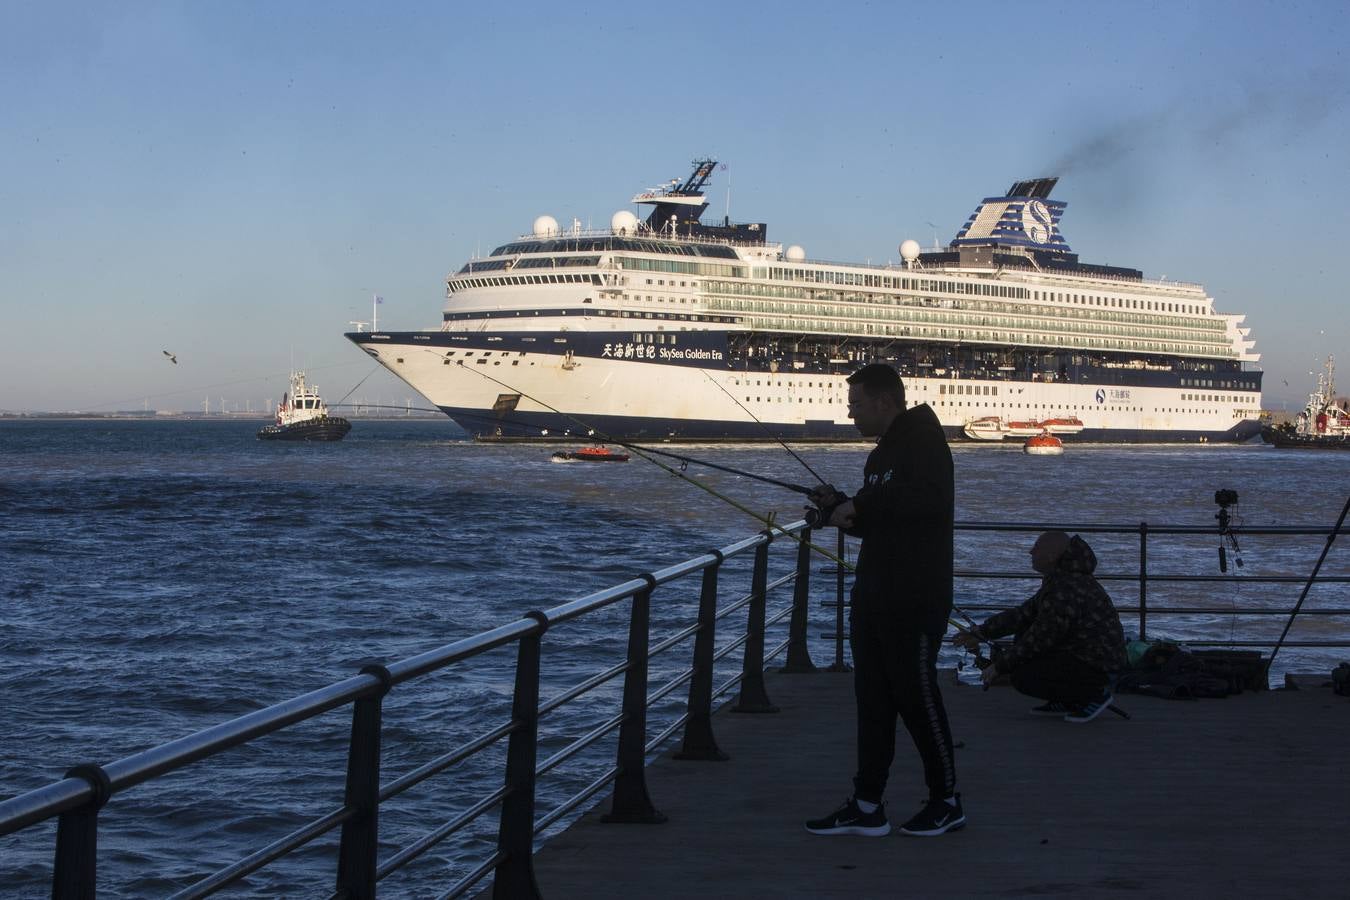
(234, 182)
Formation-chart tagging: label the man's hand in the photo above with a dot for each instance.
(826, 495)
(835, 507)
(842, 516)
(967, 640)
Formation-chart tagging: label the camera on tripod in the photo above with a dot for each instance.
(1227, 537)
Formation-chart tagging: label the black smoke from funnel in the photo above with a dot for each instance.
(1124, 164)
(1208, 127)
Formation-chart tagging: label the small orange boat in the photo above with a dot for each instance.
(590, 454)
(1043, 444)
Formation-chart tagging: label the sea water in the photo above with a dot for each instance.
(161, 577)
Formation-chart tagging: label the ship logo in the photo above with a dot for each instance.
(1036, 221)
(1101, 395)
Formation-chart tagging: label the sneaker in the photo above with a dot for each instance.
(1053, 708)
(849, 819)
(936, 817)
(1089, 711)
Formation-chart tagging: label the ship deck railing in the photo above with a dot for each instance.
(644, 234)
(698, 598)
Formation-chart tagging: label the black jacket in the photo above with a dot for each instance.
(904, 514)
(1071, 613)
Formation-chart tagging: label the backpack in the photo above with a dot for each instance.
(1166, 670)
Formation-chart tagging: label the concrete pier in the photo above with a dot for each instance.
(1247, 796)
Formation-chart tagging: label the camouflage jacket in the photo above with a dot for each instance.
(1071, 613)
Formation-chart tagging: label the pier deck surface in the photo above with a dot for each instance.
(1247, 796)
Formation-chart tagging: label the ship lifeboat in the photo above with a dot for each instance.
(1062, 425)
(590, 454)
(1024, 429)
(1043, 444)
(987, 428)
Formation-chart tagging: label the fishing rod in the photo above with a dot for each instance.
(688, 460)
(1331, 538)
(756, 420)
(767, 521)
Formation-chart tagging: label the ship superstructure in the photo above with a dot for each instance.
(670, 327)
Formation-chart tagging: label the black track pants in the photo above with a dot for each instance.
(1059, 678)
(895, 675)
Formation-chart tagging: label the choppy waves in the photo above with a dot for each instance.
(163, 577)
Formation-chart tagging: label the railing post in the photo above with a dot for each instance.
(77, 839)
(798, 655)
(631, 801)
(514, 875)
(1143, 581)
(754, 698)
(699, 742)
(839, 664)
(360, 834)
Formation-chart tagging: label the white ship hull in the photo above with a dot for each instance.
(544, 392)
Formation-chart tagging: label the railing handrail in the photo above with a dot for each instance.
(86, 788)
(1103, 528)
(93, 786)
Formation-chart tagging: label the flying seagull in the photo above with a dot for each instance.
(172, 358)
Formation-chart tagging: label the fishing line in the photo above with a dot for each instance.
(780, 441)
(358, 384)
(425, 409)
(797, 488)
(767, 521)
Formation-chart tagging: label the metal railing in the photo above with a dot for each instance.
(77, 799)
(1142, 576)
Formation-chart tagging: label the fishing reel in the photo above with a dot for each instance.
(1227, 534)
(819, 516)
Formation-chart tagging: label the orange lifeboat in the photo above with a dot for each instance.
(1043, 444)
(1063, 425)
(1025, 428)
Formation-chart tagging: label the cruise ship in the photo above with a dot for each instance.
(670, 328)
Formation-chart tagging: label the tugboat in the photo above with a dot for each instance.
(590, 454)
(304, 417)
(1324, 423)
(1043, 444)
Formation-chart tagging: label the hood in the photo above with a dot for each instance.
(1078, 558)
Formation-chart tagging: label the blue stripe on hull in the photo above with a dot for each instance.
(520, 424)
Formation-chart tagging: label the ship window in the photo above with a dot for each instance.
(398, 359)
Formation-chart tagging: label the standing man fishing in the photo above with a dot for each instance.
(902, 596)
